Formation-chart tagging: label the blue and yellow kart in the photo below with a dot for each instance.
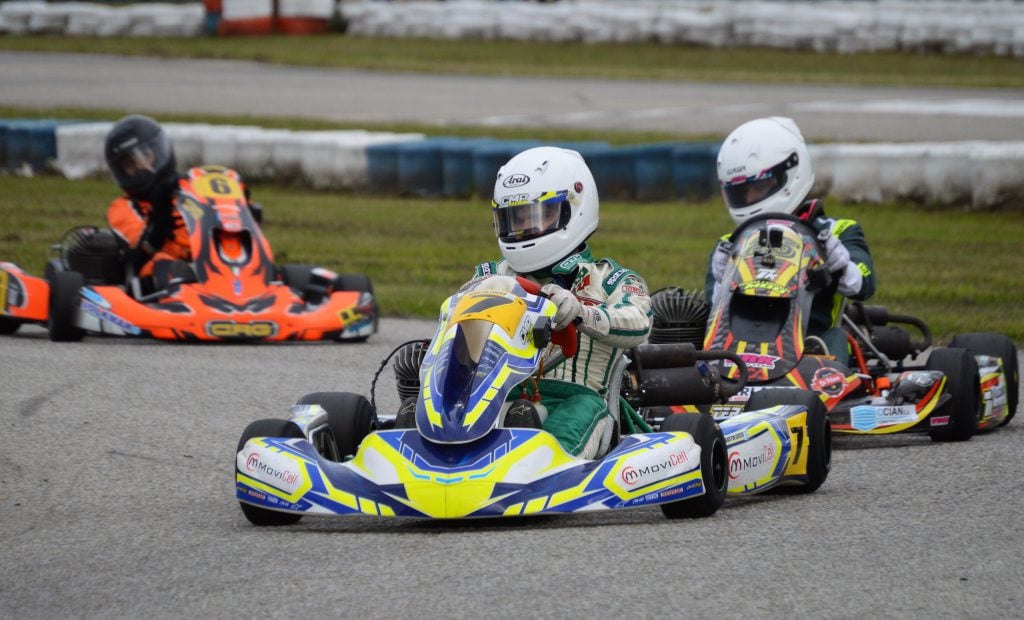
(462, 460)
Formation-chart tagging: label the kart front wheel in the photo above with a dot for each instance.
(996, 345)
(819, 433)
(268, 428)
(713, 465)
(8, 325)
(363, 284)
(963, 383)
(65, 299)
(350, 416)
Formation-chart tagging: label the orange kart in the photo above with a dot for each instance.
(230, 290)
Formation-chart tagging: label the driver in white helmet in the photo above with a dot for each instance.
(764, 167)
(545, 207)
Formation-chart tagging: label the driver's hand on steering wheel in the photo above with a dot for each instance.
(569, 306)
(836, 254)
(720, 259)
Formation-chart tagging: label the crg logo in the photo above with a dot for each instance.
(515, 180)
(230, 329)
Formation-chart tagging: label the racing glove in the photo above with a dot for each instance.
(569, 307)
(720, 258)
(836, 254)
(838, 259)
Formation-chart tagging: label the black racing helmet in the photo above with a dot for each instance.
(139, 155)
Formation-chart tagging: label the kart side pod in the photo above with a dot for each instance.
(669, 374)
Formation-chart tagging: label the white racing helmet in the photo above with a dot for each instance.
(764, 167)
(545, 205)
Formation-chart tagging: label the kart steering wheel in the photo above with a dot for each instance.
(801, 227)
(819, 276)
(565, 338)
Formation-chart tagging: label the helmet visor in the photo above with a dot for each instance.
(742, 192)
(135, 164)
(522, 217)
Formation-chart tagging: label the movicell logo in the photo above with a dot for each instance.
(255, 465)
(632, 475)
(515, 180)
(738, 463)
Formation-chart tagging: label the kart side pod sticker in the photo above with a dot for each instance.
(276, 470)
(657, 464)
(866, 417)
(752, 462)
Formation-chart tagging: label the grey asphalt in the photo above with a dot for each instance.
(116, 500)
(832, 113)
(116, 484)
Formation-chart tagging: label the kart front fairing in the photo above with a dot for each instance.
(508, 472)
(490, 339)
(763, 306)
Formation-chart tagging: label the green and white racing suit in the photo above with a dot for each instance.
(574, 392)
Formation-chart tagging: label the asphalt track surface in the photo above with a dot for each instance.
(825, 113)
(117, 500)
(116, 456)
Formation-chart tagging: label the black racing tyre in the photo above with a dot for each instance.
(268, 428)
(996, 345)
(963, 383)
(296, 276)
(819, 433)
(65, 299)
(9, 325)
(353, 282)
(714, 465)
(350, 416)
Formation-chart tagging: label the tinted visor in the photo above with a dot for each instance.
(136, 163)
(528, 217)
(742, 192)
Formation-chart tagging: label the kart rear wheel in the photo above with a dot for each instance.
(268, 428)
(996, 345)
(9, 325)
(65, 300)
(350, 416)
(713, 465)
(819, 433)
(963, 384)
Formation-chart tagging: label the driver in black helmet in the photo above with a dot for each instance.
(141, 158)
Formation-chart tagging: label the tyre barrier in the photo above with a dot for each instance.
(974, 174)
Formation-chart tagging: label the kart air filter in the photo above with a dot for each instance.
(94, 253)
(408, 360)
(679, 316)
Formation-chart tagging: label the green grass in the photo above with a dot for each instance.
(651, 61)
(959, 271)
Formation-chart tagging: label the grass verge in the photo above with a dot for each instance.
(959, 271)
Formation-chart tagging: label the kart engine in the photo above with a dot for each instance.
(95, 253)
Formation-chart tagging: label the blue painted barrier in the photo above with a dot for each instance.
(32, 142)
(653, 170)
(614, 170)
(3, 144)
(694, 170)
(457, 166)
(382, 167)
(420, 172)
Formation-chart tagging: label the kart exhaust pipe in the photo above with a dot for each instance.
(674, 374)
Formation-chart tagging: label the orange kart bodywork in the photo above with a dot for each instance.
(232, 290)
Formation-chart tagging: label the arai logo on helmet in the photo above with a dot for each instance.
(515, 180)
